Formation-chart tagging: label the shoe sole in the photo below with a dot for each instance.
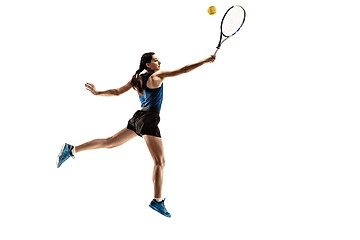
(58, 158)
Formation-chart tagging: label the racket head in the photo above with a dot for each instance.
(233, 20)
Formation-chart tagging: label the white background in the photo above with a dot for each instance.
(261, 144)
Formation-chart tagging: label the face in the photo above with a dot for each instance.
(154, 64)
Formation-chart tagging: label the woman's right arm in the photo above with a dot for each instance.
(111, 92)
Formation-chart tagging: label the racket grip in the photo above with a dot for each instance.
(217, 49)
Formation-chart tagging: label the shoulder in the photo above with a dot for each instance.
(154, 81)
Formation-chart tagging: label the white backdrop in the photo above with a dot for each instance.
(261, 144)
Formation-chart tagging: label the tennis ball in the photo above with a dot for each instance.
(211, 10)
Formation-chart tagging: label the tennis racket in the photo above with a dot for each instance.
(231, 23)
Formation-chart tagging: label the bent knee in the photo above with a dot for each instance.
(159, 161)
(110, 143)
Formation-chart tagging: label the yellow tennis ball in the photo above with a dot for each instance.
(211, 10)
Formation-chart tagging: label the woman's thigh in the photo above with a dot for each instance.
(121, 137)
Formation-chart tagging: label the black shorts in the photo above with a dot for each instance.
(145, 123)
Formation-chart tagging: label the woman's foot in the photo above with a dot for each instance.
(159, 207)
(64, 154)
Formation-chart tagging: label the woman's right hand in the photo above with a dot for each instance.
(90, 87)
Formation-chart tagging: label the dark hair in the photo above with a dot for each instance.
(136, 79)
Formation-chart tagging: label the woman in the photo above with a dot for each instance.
(144, 123)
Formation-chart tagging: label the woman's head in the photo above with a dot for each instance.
(154, 64)
(146, 60)
(147, 63)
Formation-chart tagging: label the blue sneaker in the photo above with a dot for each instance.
(159, 207)
(64, 154)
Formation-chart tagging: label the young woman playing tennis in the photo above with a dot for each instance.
(144, 123)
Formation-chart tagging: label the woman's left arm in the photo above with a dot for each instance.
(111, 92)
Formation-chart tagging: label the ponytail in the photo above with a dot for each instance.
(136, 81)
(136, 78)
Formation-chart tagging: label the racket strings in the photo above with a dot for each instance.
(232, 21)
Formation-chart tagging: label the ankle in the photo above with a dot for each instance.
(73, 151)
(159, 200)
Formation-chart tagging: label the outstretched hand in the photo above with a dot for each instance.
(90, 87)
(211, 58)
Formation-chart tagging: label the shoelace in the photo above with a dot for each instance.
(65, 153)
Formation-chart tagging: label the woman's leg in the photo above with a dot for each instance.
(157, 152)
(118, 139)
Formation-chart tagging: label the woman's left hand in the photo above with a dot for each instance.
(90, 87)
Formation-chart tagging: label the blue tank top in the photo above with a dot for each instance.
(151, 98)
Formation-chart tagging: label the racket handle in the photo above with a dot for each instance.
(217, 49)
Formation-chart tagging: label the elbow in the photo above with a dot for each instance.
(185, 69)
